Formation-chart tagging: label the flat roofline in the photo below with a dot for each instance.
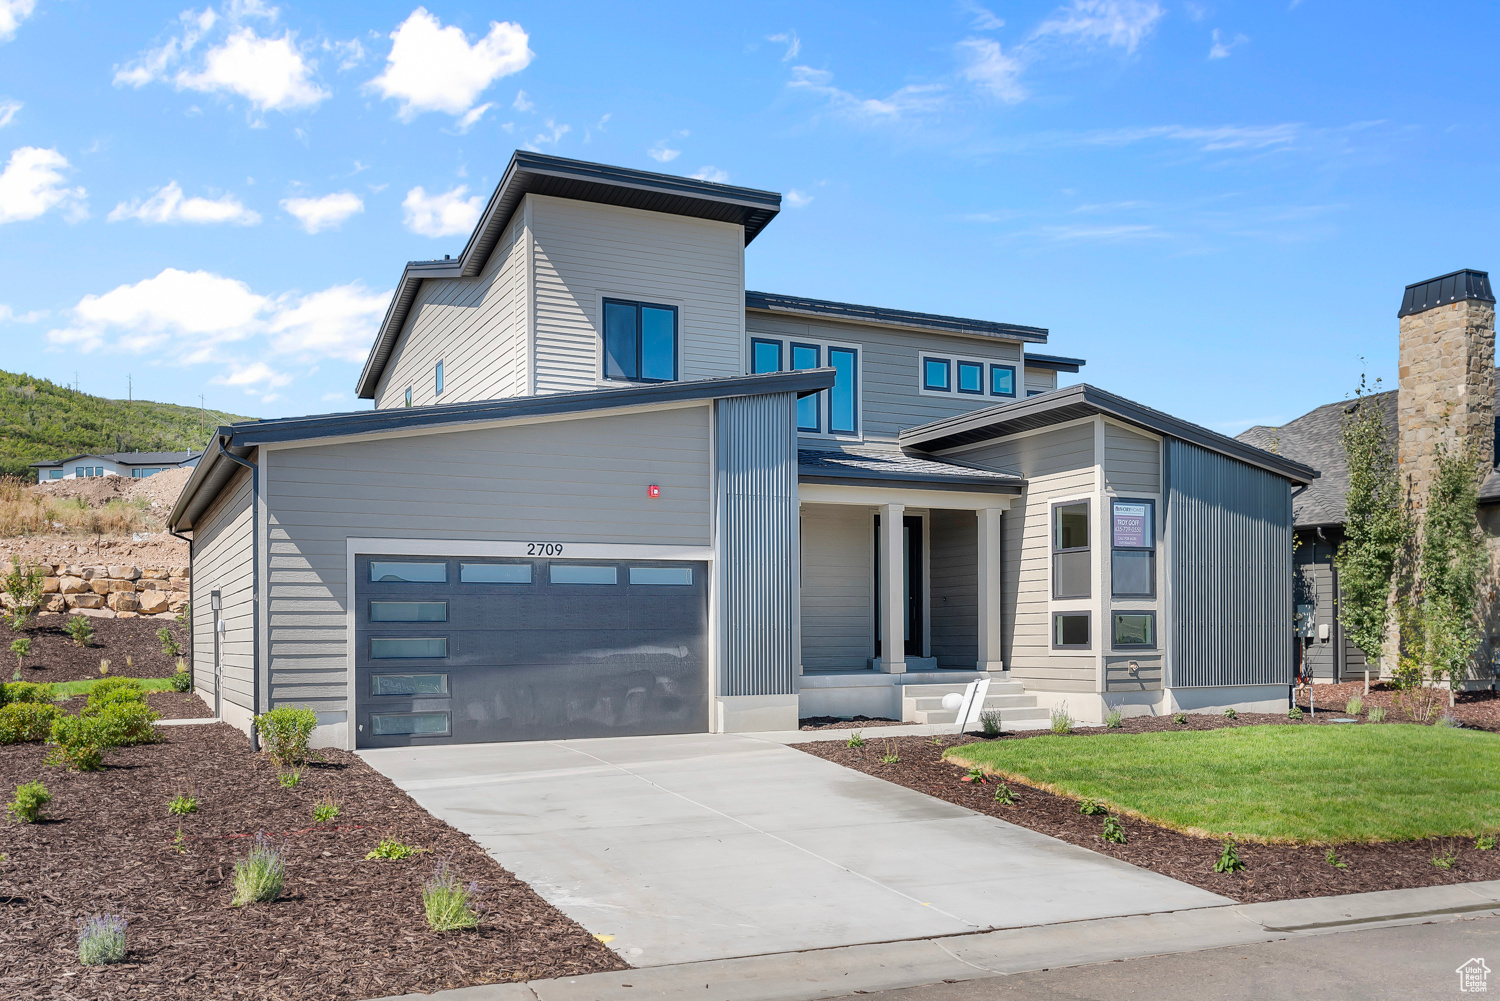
(772, 302)
(1055, 363)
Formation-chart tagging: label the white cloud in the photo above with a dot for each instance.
(32, 183)
(12, 13)
(8, 315)
(1209, 139)
(909, 100)
(984, 19)
(662, 153)
(993, 70)
(338, 322)
(327, 212)
(711, 173)
(1119, 23)
(270, 72)
(550, 137)
(798, 199)
(433, 68)
(791, 41)
(473, 115)
(167, 205)
(443, 214)
(193, 317)
(8, 109)
(349, 54)
(153, 64)
(522, 102)
(1221, 48)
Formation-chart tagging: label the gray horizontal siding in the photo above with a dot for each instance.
(1230, 526)
(578, 480)
(1132, 462)
(1145, 677)
(222, 541)
(838, 587)
(953, 538)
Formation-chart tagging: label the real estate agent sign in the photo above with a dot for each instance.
(1132, 525)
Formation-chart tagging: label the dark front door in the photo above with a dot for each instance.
(462, 650)
(911, 549)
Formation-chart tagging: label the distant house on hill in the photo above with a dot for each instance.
(133, 464)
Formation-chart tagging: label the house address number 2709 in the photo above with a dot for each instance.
(544, 548)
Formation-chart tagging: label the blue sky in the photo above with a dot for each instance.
(1216, 204)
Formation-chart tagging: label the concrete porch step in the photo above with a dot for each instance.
(1018, 701)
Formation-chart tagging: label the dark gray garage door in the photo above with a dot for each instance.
(463, 650)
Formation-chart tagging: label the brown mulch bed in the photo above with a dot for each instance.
(55, 657)
(845, 722)
(1272, 872)
(343, 927)
(1475, 710)
(172, 705)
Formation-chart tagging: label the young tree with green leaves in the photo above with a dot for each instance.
(24, 584)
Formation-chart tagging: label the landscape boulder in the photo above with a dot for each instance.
(71, 585)
(124, 573)
(151, 602)
(122, 601)
(86, 600)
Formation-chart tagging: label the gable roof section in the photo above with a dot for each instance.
(771, 302)
(536, 173)
(210, 475)
(1084, 400)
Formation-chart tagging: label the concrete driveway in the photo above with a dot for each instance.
(708, 846)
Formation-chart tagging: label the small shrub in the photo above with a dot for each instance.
(26, 808)
(21, 647)
(1332, 858)
(24, 584)
(449, 904)
(1115, 720)
(1061, 721)
(25, 691)
(285, 732)
(1231, 713)
(258, 878)
(79, 743)
(856, 739)
(1294, 713)
(989, 722)
(1092, 808)
(1353, 706)
(1004, 796)
(169, 644)
(1376, 714)
(80, 630)
(326, 809)
(101, 939)
(182, 681)
(1113, 831)
(1449, 720)
(114, 691)
(179, 843)
(890, 757)
(183, 804)
(391, 850)
(1485, 842)
(289, 778)
(1179, 718)
(124, 723)
(1229, 858)
(1445, 859)
(976, 776)
(27, 722)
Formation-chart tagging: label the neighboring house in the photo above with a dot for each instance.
(1447, 332)
(606, 490)
(132, 464)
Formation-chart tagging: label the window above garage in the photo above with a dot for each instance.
(640, 341)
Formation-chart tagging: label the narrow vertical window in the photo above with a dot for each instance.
(1070, 550)
(1132, 558)
(937, 375)
(408, 396)
(658, 344)
(437, 378)
(806, 356)
(971, 378)
(843, 398)
(619, 341)
(765, 356)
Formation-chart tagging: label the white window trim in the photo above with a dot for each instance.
(984, 376)
(1090, 604)
(786, 341)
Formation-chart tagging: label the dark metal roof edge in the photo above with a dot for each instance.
(1056, 363)
(395, 319)
(969, 484)
(773, 302)
(250, 434)
(1103, 401)
(1479, 290)
(115, 457)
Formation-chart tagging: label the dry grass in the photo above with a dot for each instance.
(25, 511)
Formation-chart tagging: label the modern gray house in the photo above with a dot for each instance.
(132, 464)
(605, 489)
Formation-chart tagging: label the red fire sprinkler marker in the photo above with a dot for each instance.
(653, 491)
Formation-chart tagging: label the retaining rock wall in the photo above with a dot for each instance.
(114, 591)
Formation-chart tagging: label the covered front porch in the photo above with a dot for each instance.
(894, 546)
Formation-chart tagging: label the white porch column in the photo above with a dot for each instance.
(893, 590)
(990, 655)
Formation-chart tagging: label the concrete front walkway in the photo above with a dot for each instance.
(704, 846)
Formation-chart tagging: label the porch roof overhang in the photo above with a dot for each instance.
(890, 470)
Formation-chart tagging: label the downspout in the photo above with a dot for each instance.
(254, 585)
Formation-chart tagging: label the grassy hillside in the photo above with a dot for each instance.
(42, 420)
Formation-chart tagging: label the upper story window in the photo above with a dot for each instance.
(834, 412)
(946, 375)
(640, 341)
(437, 378)
(1070, 550)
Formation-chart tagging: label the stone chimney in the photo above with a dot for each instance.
(1447, 366)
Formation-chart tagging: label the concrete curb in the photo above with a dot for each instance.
(824, 973)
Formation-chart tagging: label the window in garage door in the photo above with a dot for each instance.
(474, 649)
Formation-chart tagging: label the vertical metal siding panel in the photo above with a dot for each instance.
(758, 473)
(1230, 526)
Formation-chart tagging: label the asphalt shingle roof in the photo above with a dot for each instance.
(889, 464)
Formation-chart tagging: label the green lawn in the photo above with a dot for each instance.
(1307, 784)
(68, 689)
